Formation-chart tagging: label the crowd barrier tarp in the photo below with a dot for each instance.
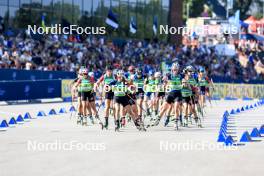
(225, 79)
(29, 90)
(223, 90)
(14, 74)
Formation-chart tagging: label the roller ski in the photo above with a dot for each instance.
(79, 119)
(139, 125)
(91, 119)
(156, 123)
(84, 121)
(99, 122)
(190, 119)
(142, 128)
(152, 119)
(200, 110)
(198, 122)
(185, 122)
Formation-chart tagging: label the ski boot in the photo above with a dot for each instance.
(148, 112)
(156, 112)
(181, 122)
(79, 119)
(106, 123)
(117, 125)
(91, 118)
(167, 121)
(176, 126)
(123, 122)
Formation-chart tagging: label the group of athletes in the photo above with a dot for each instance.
(135, 96)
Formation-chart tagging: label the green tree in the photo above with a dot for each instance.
(196, 8)
(30, 14)
(244, 7)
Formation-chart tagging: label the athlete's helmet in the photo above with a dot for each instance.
(91, 74)
(189, 68)
(85, 71)
(131, 68)
(175, 65)
(120, 73)
(157, 75)
(201, 70)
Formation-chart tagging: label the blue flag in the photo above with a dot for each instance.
(111, 19)
(133, 26)
(155, 25)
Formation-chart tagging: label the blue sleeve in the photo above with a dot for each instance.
(126, 75)
(195, 77)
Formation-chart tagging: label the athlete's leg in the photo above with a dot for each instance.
(107, 107)
(140, 106)
(146, 99)
(117, 112)
(79, 105)
(157, 105)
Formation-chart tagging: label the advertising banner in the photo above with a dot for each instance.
(223, 90)
(66, 88)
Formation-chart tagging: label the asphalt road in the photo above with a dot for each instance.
(55, 145)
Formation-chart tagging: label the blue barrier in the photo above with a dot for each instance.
(14, 75)
(4, 124)
(52, 112)
(246, 137)
(19, 119)
(41, 114)
(255, 133)
(72, 109)
(29, 90)
(62, 110)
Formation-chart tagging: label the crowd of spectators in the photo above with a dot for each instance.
(57, 53)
